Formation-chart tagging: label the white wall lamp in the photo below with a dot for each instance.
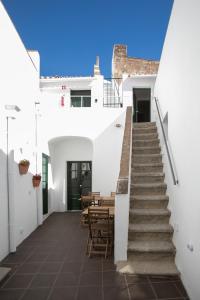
(118, 125)
(12, 107)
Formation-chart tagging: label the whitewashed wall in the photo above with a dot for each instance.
(61, 151)
(140, 81)
(95, 138)
(177, 88)
(20, 86)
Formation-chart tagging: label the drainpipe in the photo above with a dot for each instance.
(10, 192)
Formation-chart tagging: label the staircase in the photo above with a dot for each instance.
(150, 247)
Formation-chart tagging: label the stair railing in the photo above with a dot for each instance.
(169, 155)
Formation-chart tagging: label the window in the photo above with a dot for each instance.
(81, 98)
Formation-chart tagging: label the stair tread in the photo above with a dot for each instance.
(147, 267)
(151, 246)
(154, 174)
(146, 185)
(152, 197)
(150, 211)
(148, 155)
(151, 227)
(147, 164)
(150, 140)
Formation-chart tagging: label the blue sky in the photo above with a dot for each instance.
(70, 33)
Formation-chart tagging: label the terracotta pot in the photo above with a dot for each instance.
(36, 180)
(23, 168)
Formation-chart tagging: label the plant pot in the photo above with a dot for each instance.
(36, 180)
(23, 167)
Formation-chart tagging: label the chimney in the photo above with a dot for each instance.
(96, 67)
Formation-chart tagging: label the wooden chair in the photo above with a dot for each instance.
(107, 201)
(100, 239)
(86, 201)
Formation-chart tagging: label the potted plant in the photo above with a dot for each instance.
(23, 166)
(36, 180)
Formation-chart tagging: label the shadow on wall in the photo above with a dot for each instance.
(24, 210)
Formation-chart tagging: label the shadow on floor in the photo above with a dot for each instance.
(51, 265)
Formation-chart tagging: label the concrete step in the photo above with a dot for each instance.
(4, 272)
(146, 158)
(146, 150)
(151, 247)
(150, 232)
(147, 167)
(147, 177)
(145, 143)
(144, 125)
(148, 189)
(143, 136)
(149, 216)
(148, 267)
(144, 130)
(149, 202)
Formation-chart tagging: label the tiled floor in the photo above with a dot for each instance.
(51, 264)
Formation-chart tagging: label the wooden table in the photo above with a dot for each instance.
(111, 210)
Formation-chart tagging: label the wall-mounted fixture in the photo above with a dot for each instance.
(12, 107)
(118, 125)
(96, 100)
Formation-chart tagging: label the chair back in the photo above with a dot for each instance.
(96, 217)
(86, 201)
(107, 201)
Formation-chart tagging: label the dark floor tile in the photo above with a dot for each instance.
(56, 257)
(71, 267)
(66, 279)
(36, 294)
(16, 258)
(108, 265)
(115, 293)
(18, 281)
(38, 257)
(141, 292)
(43, 280)
(90, 293)
(132, 279)
(92, 265)
(91, 279)
(28, 268)
(162, 278)
(11, 294)
(111, 278)
(181, 288)
(67, 293)
(166, 290)
(50, 267)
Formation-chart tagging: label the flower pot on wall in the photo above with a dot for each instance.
(36, 180)
(23, 166)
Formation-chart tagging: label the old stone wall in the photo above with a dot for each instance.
(121, 63)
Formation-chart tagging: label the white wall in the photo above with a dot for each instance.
(61, 151)
(107, 155)
(140, 81)
(177, 88)
(20, 86)
(103, 149)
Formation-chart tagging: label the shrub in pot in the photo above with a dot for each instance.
(36, 180)
(23, 166)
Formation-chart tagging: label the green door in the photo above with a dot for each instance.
(45, 161)
(79, 182)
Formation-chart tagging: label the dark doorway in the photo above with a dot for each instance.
(79, 182)
(45, 161)
(142, 104)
